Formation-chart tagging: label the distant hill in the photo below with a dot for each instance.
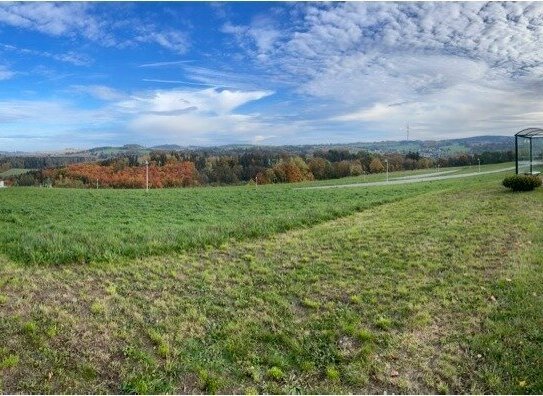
(428, 148)
(168, 147)
(436, 148)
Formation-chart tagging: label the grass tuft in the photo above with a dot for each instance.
(275, 373)
(383, 323)
(332, 374)
(97, 308)
(9, 361)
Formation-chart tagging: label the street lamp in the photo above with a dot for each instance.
(146, 175)
(386, 161)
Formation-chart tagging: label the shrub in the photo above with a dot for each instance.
(522, 182)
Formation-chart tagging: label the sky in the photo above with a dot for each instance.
(87, 74)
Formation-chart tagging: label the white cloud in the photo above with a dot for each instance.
(377, 112)
(80, 19)
(172, 40)
(500, 34)
(72, 57)
(176, 82)
(261, 34)
(101, 92)
(363, 78)
(210, 101)
(459, 110)
(6, 73)
(450, 68)
(55, 19)
(49, 118)
(77, 59)
(223, 78)
(163, 64)
(189, 114)
(258, 139)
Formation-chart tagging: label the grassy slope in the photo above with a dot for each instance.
(379, 177)
(427, 294)
(67, 225)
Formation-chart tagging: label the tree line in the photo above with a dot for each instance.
(38, 162)
(185, 169)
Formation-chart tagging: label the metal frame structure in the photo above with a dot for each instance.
(528, 133)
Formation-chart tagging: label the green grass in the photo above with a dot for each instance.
(434, 291)
(14, 172)
(379, 177)
(57, 226)
(511, 341)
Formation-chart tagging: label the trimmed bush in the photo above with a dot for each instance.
(522, 182)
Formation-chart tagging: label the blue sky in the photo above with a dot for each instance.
(90, 74)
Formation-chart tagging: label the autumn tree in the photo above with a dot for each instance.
(376, 166)
(320, 168)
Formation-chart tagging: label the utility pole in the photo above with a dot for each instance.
(97, 184)
(146, 175)
(479, 160)
(386, 161)
(407, 131)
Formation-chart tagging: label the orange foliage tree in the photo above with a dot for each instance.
(178, 174)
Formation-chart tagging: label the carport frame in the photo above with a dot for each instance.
(528, 133)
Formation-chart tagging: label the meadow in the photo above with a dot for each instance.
(380, 177)
(426, 288)
(57, 226)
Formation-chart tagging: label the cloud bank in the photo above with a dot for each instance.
(447, 68)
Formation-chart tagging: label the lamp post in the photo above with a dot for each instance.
(146, 175)
(479, 161)
(386, 161)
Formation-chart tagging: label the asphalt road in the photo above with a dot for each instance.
(425, 175)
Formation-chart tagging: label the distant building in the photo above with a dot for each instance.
(2, 185)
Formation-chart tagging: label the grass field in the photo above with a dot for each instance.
(14, 172)
(379, 177)
(432, 287)
(56, 226)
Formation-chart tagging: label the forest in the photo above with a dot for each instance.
(200, 168)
